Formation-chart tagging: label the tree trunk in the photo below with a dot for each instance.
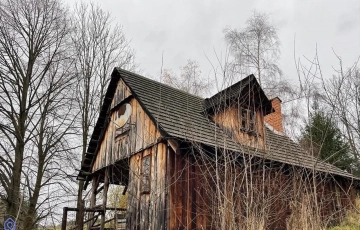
(80, 206)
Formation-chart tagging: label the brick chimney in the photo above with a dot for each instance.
(274, 119)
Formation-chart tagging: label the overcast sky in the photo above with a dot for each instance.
(192, 29)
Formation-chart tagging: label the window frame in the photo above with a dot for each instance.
(248, 121)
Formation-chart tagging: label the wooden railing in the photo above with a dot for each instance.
(119, 218)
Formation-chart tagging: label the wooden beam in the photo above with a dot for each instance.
(64, 218)
(96, 209)
(92, 218)
(106, 187)
(81, 214)
(86, 173)
(99, 189)
(167, 186)
(95, 184)
(174, 145)
(124, 191)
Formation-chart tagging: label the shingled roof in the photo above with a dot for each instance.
(239, 89)
(181, 115)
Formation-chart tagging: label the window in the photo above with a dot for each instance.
(252, 121)
(244, 119)
(247, 120)
(145, 175)
(122, 120)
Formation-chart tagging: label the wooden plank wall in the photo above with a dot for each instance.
(193, 197)
(189, 202)
(149, 210)
(229, 119)
(179, 197)
(141, 131)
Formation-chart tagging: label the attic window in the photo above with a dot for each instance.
(122, 119)
(247, 120)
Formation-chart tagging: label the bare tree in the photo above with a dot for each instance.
(246, 193)
(342, 95)
(99, 47)
(338, 95)
(35, 107)
(256, 48)
(190, 79)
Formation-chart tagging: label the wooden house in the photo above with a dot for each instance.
(217, 163)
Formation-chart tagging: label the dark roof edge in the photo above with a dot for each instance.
(101, 124)
(157, 82)
(157, 125)
(248, 78)
(245, 81)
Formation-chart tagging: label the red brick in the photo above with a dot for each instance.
(275, 118)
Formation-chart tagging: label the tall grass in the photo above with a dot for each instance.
(351, 221)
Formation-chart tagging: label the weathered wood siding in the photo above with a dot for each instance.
(189, 200)
(148, 210)
(229, 120)
(135, 133)
(279, 195)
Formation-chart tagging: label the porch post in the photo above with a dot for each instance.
(106, 187)
(64, 218)
(95, 184)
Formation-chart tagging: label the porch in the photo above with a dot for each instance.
(96, 218)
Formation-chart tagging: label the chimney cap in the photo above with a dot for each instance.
(276, 98)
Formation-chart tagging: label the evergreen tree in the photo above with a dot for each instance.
(323, 139)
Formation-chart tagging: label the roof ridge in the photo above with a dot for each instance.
(250, 77)
(157, 82)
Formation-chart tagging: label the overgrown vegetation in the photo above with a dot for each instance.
(54, 71)
(351, 220)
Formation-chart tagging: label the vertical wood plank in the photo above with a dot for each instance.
(95, 184)
(167, 187)
(105, 191)
(162, 178)
(184, 176)
(143, 129)
(139, 125)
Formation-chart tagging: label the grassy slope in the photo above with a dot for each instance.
(351, 221)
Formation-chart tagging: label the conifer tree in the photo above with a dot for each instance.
(322, 138)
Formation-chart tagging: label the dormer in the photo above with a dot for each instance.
(239, 110)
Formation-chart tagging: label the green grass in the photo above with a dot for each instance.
(351, 221)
